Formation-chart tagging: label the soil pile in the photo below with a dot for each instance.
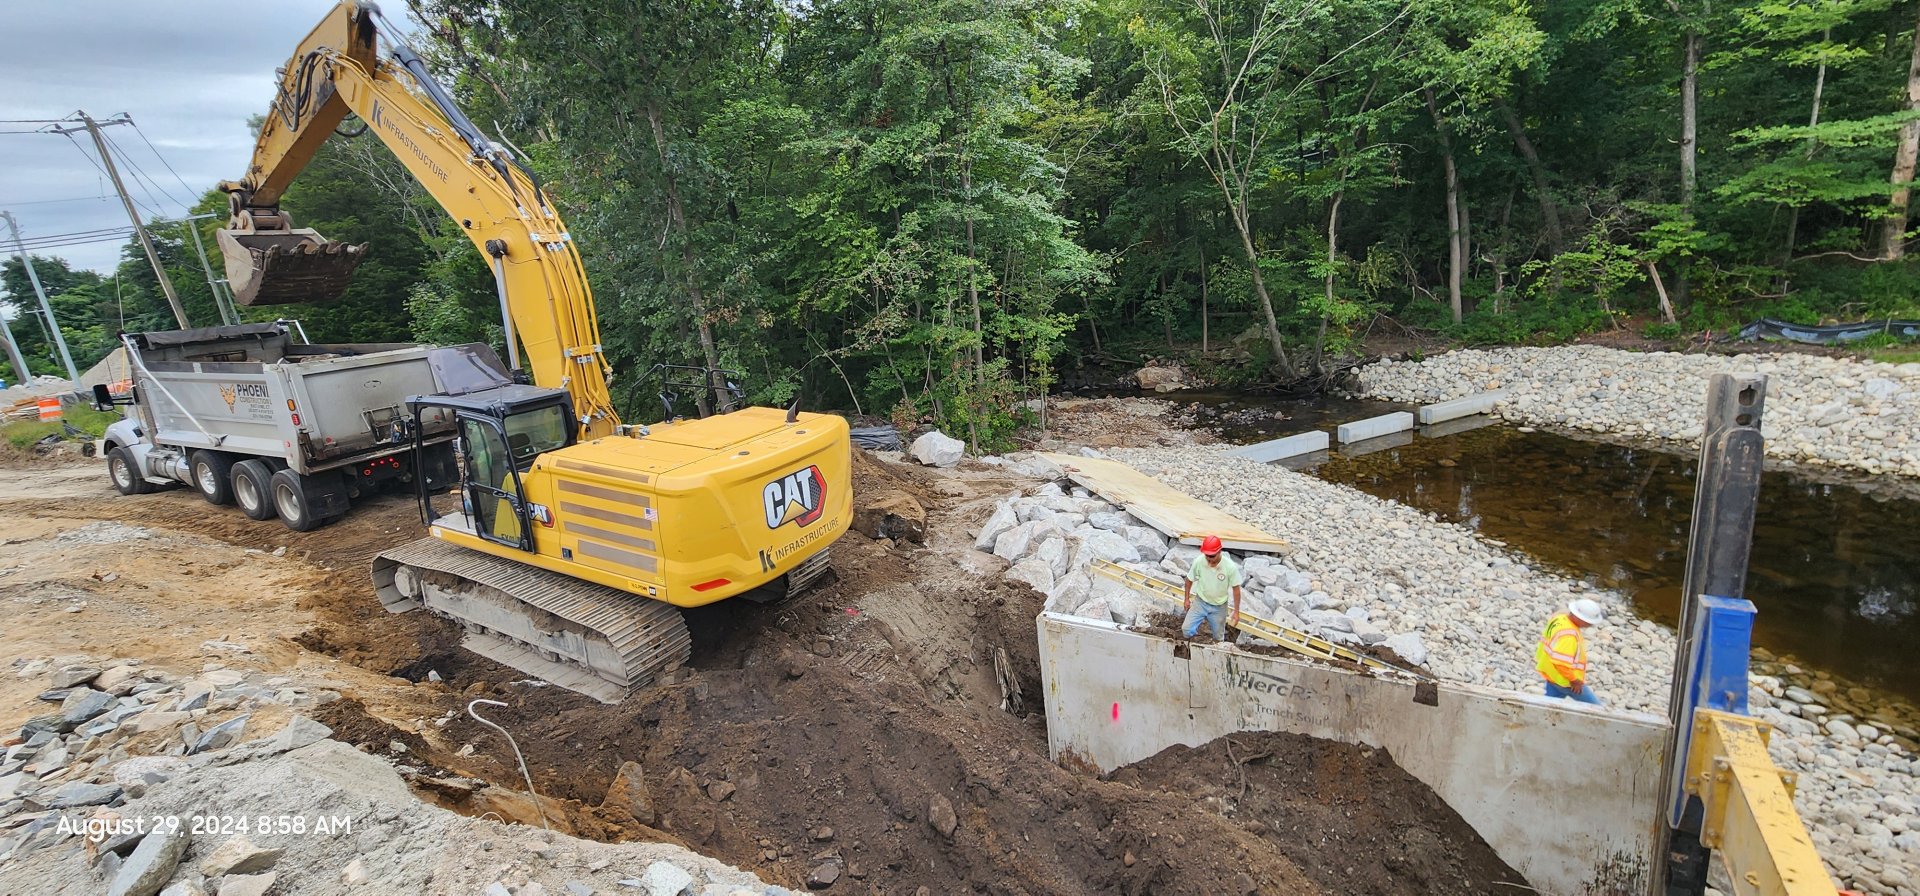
(1347, 816)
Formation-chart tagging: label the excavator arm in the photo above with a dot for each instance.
(568, 561)
(338, 70)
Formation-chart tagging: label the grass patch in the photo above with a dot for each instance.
(1902, 355)
(24, 433)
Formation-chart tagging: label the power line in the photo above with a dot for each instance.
(103, 171)
(141, 177)
(163, 159)
(100, 198)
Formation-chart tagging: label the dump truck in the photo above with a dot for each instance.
(254, 415)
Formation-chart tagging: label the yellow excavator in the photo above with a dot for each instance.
(574, 538)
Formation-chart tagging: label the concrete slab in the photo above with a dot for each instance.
(1565, 793)
(1368, 446)
(1374, 427)
(1279, 449)
(1441, 412)
(1176, 515)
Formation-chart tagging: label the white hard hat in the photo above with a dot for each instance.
(1587, 611)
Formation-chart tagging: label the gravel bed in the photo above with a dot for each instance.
(1835, 412)
(1478, 608)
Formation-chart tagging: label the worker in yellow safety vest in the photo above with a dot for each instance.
(1561, 655)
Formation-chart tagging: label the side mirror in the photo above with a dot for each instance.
(102, 398)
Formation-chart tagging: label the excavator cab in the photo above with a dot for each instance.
(270, 262)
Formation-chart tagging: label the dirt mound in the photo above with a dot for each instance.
(751, 765)
(1347, 816)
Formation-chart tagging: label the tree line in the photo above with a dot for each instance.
(926, 210)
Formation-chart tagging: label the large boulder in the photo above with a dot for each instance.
(1286, 618)
(1004, 517)
(1094, 609)
(1103, 545)
(1054, 551)
(1125, 606)
(1034, 572)
(1160, 379)
(1408, 646)
(1070, 591)
(1295, 581)
(937, 449)
(1112, 521)
(1368, 632)
(1036, 466)
(890, 514)
(1179, 559)
(1149, 542)
(1018, 542)
(1327, 622)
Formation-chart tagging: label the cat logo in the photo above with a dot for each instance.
(231, 394)
(797, 498)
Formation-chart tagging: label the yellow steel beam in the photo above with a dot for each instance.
(1750, 821)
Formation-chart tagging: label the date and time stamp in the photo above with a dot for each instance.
(100, 829)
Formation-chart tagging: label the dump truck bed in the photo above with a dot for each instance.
(250, 389)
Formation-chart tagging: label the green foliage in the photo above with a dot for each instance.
(927, 208)
(1662, 331)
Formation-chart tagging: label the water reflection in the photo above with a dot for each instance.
(1833, 569)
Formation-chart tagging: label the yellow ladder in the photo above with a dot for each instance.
(1260, 627)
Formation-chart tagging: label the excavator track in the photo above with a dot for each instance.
(585, 637)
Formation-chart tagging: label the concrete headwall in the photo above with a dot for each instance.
(1565, 794)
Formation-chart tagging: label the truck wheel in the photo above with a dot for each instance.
(253, 489)
(212, 474)
(290, 499)
(126, 474)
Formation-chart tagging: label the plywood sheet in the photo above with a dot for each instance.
(1177, 515)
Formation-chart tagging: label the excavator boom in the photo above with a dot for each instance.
(573, 538)
(269, 261)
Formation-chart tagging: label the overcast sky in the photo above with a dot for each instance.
(189, 72)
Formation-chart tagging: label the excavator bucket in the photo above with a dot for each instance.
(282, 267)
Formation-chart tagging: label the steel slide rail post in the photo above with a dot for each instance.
(1726, 495)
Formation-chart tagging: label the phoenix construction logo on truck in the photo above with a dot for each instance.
(233, 393)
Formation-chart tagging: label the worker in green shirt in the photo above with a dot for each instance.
(1212, 577)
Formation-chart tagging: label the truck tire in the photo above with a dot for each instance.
(126, 474)
(212, 473)
(252, 485)
(290, 500)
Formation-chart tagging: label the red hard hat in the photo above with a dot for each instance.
(1210, 545)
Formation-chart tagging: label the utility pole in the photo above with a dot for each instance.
(228, 314)
(146, 242)
(60, 341)
(13, 352)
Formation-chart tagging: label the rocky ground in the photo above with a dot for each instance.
(1838, 412)
(1377, 571)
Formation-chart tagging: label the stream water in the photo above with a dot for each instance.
(1835, 568)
